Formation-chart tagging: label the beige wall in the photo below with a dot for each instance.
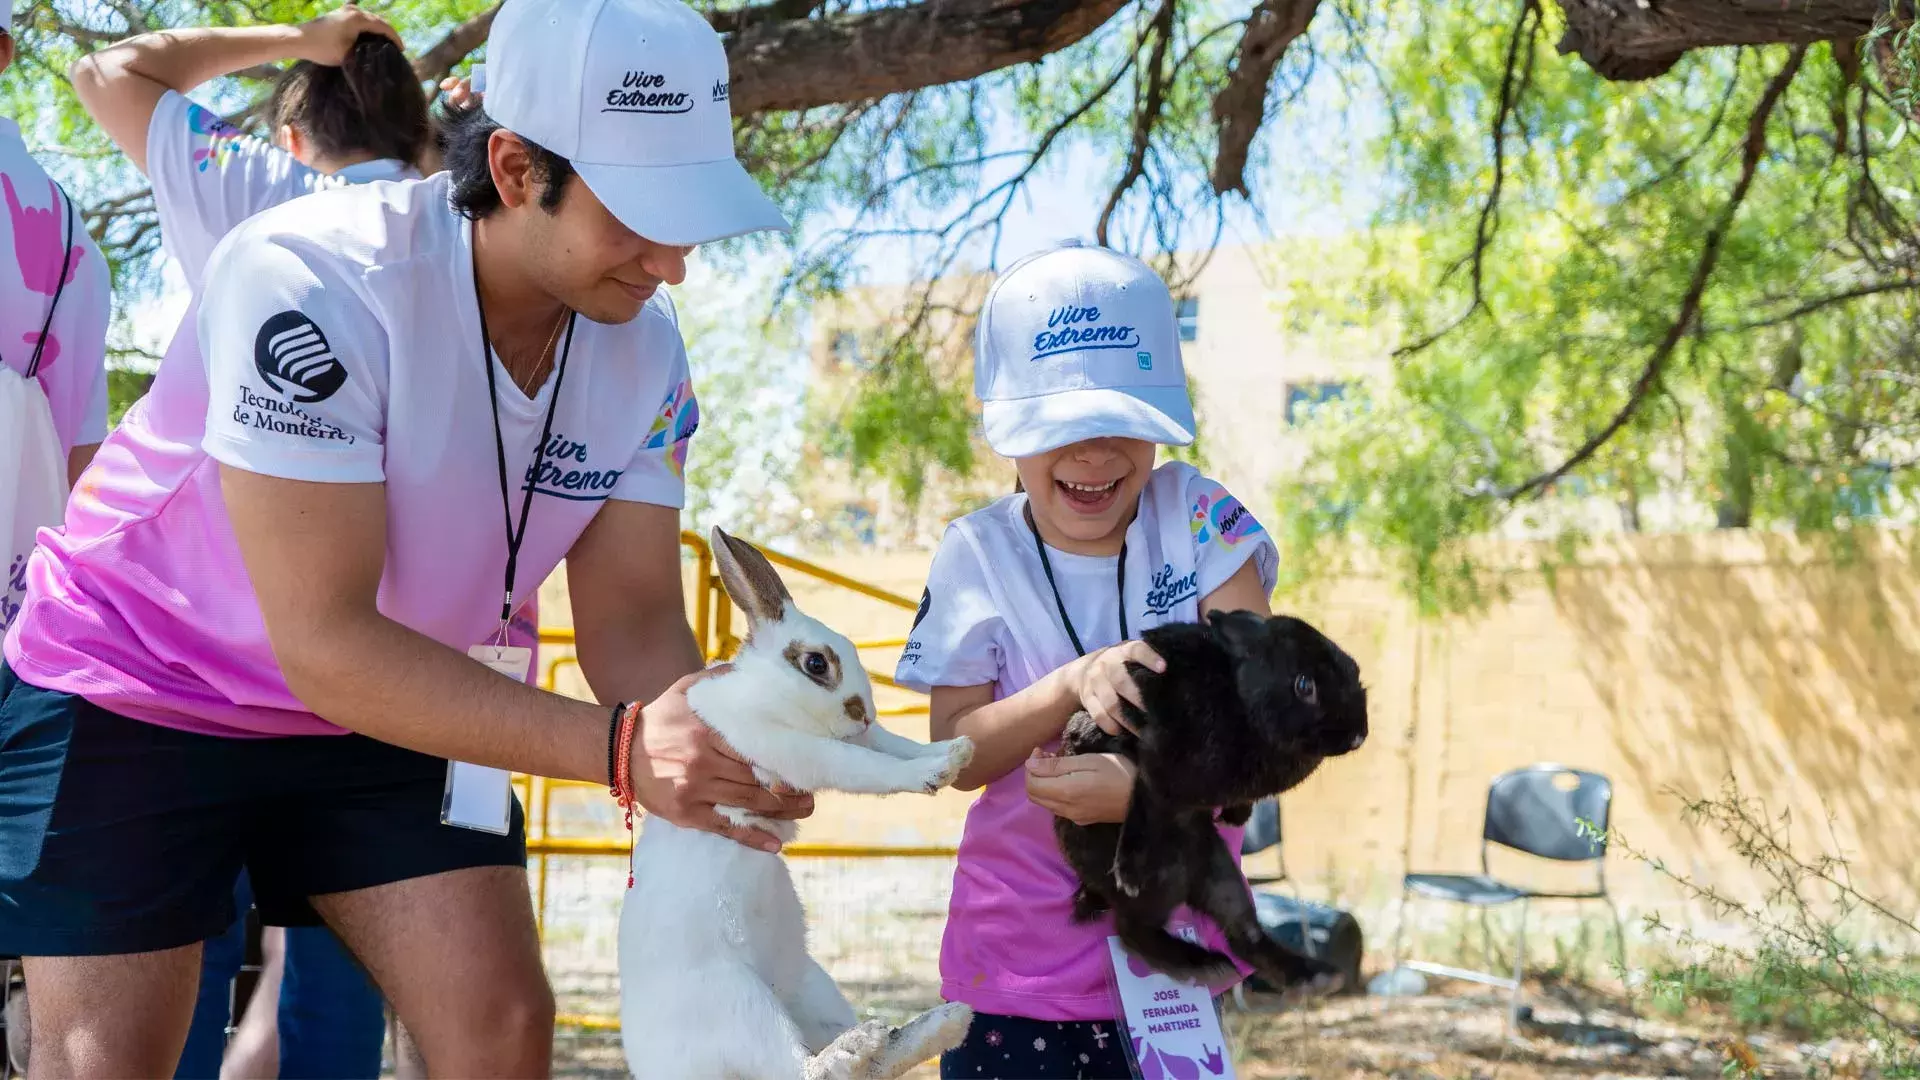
(1664, 662)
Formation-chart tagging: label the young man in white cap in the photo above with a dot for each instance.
(1032, 612)
(268, 626)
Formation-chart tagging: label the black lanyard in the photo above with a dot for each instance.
(1047, 565)
(59, 286)
(514, 536)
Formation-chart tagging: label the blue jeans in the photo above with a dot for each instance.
(331, 1020)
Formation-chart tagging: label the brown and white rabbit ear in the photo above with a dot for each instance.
(750, 579)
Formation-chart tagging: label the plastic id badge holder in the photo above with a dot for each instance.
(1172, 1027)
(479, 797)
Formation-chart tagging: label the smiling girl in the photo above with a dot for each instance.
(1032, 612)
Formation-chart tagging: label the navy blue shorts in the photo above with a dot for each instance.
(1017, 1048)
(118, 836)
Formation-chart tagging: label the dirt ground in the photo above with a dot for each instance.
(1439, 1036)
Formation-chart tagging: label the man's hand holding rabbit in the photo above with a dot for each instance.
(682, 770)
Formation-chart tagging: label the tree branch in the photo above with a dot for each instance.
(1642, 39)
(805, 63)
(1240, 108)
(784, 59)
(1151, 105)
(727, 22)
(1756, 146)
(443, 56)
(1801, 311)
(1489, 221)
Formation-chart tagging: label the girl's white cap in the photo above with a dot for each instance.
(1079, 342)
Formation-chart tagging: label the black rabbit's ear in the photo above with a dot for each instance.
(1241, 632)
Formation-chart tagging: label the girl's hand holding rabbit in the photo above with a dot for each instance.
(682, 769)
(1086, 789)
(1101, 681)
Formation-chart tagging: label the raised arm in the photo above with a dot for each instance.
(122, 84)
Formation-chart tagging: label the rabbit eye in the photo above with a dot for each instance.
(1304, 689)
(815, 665)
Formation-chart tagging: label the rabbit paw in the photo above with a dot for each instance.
(959, 754)
(855, 1055)
(929, 1035)
(940, 770)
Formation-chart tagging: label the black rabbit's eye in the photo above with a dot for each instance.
(815, 664)
(1304, 689)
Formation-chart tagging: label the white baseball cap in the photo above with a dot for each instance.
(634, 93)
(1079, 342)
(6, 16)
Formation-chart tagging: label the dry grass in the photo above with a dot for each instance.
(877, 924)
(1437, 1037)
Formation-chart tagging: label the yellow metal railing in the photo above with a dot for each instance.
(712, 624)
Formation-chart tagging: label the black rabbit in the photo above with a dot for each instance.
(1248, 707)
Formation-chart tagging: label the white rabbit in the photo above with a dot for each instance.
(715, 980)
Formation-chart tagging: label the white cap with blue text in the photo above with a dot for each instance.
(635, 94)
(1079, 342)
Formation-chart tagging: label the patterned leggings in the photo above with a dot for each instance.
(1016, 1048)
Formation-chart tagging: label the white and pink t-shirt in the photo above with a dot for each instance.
(341, 345)
(73, 362)
(989, 616)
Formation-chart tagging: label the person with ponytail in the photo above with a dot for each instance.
(348, 109)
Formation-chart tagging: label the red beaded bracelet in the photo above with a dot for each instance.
(627, 721)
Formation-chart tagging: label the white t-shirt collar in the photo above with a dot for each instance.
(367, 172)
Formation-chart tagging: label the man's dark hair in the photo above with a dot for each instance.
(371, 104)
(464, 134)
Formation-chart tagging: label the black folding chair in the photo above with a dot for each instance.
(1545, 810)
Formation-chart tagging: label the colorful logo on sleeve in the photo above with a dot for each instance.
(674, 425)
(215, 141)
(1216, 513)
